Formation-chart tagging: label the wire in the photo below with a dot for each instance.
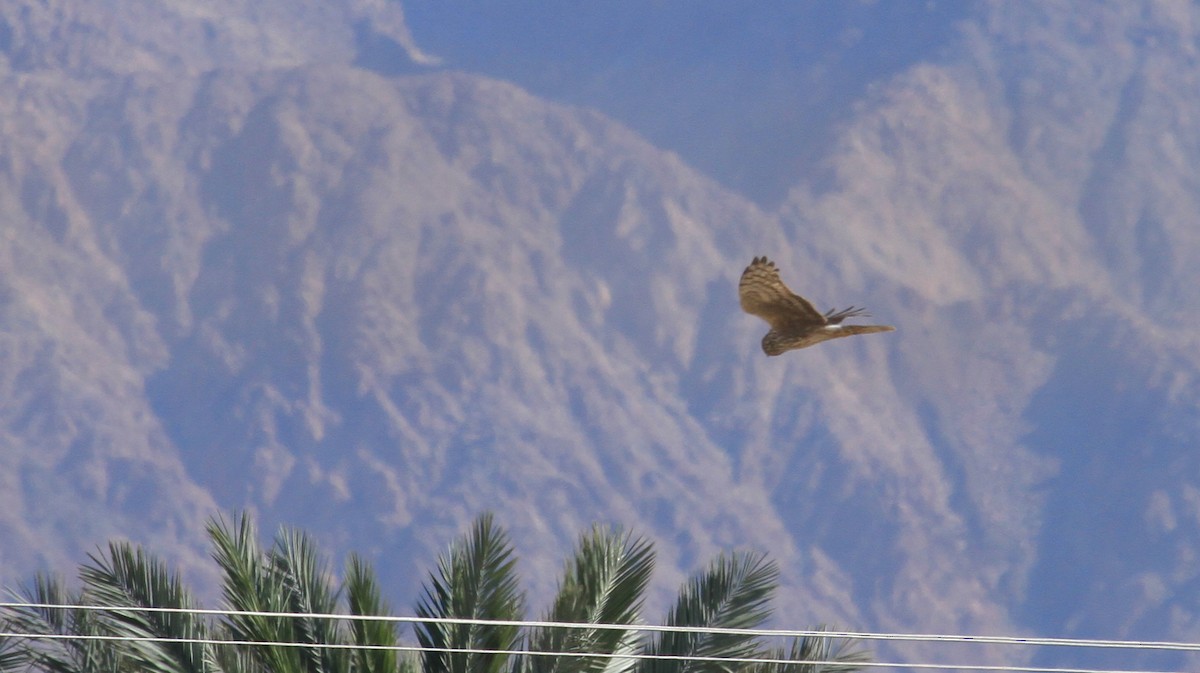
(778, 633)
(599, 655)
(936, 638)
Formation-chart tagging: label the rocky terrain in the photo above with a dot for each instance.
(287, 257)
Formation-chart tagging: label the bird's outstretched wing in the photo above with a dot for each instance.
(763, 293)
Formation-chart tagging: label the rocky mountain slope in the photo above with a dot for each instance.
(258, 269)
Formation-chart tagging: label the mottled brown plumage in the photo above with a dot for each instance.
(793, 320)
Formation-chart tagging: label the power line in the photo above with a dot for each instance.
(601, 655)
(769, 633)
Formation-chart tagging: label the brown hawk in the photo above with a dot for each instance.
(794, 322)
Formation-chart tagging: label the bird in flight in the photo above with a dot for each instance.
(793, 320)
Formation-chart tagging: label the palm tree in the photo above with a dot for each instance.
(476, 579)
(288, 578)
(73, 648)
(292, 578)
(123, 577)
(594, 622)
(732, 594)
(842, 656)
(128, 576)
(364, 599)
(604, 583)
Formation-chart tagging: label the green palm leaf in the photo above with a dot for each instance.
(307, 583)
(604, 583)
(67, 655)
(841, 654)
(128, 576)
(250, 585)
(476, 579)
(11, 656)
(733, 593)
(365, 599)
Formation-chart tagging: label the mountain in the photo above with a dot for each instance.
(749, 94)
(288, 258)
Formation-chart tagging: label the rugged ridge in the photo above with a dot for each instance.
(372, 305)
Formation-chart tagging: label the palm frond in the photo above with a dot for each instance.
(11, 656)
(409, 663)
(733, 593)
(604, 583)
(251, 585)
(81, 653)
(631, 644)
(837, 655)
(307, 582)
(128, 576)
(365, 599)
(475, 579)
(235, 659)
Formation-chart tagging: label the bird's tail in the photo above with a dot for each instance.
(850, 330)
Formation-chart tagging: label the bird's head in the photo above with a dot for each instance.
(773, 344)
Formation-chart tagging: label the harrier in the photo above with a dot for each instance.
(794, 322)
